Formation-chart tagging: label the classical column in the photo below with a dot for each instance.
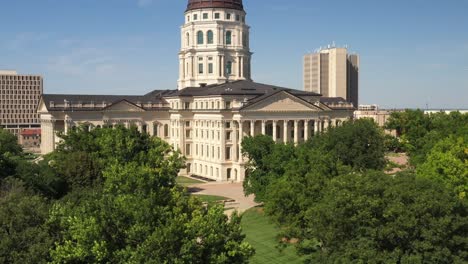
(316, 127)
(223, 141)
(234, 141)
(223, 67)
(241, 62)
(285, 131)
(48, 135)
(182, 136)
(296, 131)
(306, 130)
(252, 128)
(275, 123)
(263, 127)
(325, 125)
(241, 137)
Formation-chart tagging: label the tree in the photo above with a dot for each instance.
(10, 152)
(357, 143)
(140, 218)
(375, 218)
(267, 162)
(447, 164)
(24, 235)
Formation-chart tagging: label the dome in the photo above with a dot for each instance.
(231, 4)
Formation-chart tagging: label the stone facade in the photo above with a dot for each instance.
(207, 123)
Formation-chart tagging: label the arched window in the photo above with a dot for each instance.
(229, 67)
(199, 37)
(187, 39)
(209, 37)
(228, 37)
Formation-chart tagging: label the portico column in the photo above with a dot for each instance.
(316, 127)
(306, 130)
(241, 136)
(285, 131)
(234, 141)
(263, 127)
(252, 128)
(223, 141)
(325, 125)
(222, 67)
(296, 131)
(275, 123)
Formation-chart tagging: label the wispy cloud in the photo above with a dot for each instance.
(81, 62)
(144, 3)
(25, 39)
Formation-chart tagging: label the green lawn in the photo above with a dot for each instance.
(211, 198)
(184, 181)
(261, 234)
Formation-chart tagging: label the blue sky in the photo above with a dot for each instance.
(413, 52)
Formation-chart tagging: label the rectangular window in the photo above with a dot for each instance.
(195, 17)
(187, 105)
(205, 15)
(228, 105)
(216, 15)
(228, 153)
(228, 135)
(187, 150)
(200, 68)
(228, 124)
(210, 68)
(237, 17)
(228, 16)
(188, 134)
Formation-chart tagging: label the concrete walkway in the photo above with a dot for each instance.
(234, 191)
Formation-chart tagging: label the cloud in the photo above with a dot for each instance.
(144, 3)
(82, 62)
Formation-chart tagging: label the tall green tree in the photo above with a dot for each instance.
(10, 153)
(374, 218)
(24, 235)
(447, 164)
(140, 218)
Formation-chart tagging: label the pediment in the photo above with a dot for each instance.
(123, 106)
(282, 102)
(42, 108)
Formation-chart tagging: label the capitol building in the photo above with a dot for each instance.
(216, 104)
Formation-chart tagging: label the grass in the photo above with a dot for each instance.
(211, 198)
(262, 235)
(184, 181)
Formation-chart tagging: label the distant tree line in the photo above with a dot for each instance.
(108, 196)
(332, 199)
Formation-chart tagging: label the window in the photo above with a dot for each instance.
(187, 105)
(228, 38)
(199, 37)
(229, 67)
(228, 124)
(228, 16)
(228, 135)
(166, 130)
(188, 18)
(216, 16)
(187, 150)
(205, 15)
(209, 37)
(188, 134)
(189, 167)
(210, 68)
(195, 17)
(228, 105)
(237, 17)
(228, 153)
(187, 39)
(200, 68)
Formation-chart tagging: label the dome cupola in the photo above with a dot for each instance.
(230, 4)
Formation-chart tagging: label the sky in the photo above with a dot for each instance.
(414, 53)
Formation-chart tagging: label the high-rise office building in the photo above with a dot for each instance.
(19, 97)
(332, 72)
